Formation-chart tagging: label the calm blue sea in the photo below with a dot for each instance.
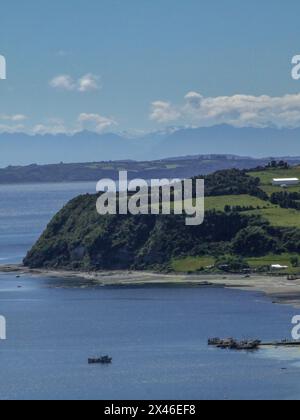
(25, 211)
(156, 335)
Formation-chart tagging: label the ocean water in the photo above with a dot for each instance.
(157, 336)
(25, 211)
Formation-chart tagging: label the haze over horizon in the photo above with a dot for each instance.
(97, 70)
(87, 146)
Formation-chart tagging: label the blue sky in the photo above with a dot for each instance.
(145, 64)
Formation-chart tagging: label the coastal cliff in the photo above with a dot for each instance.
(243, 228)
(79, 238)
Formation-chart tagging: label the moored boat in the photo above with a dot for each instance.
(231, 344)
(104, 360)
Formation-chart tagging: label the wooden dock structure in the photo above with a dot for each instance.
(232, 344)
(281, 344)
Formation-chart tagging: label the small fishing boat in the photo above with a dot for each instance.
(103, 360)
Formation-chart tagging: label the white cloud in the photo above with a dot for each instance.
(92, 122)
(85, 121)
(13, 118)
(164, 112)
(236, 110)
(63, 82)
(55, 128)
(87, 83)
(95, 122)
(194, 99)
(12, 123)
(11, 129)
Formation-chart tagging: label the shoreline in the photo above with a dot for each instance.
(279, 289)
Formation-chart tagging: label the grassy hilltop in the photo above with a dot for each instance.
(249, 224)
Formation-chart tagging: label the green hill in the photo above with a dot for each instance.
(243, 229)
(267, 175)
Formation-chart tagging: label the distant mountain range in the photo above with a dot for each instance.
(22, 149)
(183, 167)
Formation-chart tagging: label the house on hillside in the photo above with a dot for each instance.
(279, 267)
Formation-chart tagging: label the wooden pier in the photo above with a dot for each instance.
(232, 344)
(281, 344)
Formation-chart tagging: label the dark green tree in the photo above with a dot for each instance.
(253, 241)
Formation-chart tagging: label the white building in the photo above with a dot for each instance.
(285, 182)
(279, 267)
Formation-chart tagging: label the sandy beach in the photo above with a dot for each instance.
(278, 288)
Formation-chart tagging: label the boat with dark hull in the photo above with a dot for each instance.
(232, 344)
(103, 360)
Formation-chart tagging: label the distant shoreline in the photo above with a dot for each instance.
(174, 167)
(279, 289)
